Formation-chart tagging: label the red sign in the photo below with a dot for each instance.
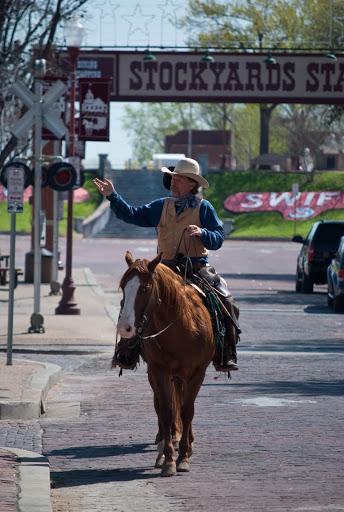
(94, 97)
(300, 206)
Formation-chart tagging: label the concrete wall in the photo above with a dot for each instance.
(137, 187)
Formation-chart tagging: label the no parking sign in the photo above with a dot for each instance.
(15, 189)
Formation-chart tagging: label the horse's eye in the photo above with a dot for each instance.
(145, 288)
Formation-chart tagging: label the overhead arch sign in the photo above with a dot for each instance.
(232, 77)
(300, 206)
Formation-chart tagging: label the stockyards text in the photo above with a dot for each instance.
(232, 77)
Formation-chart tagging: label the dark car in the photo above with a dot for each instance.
(317, 251)
(335, 280)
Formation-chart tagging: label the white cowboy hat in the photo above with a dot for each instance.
(190, 169)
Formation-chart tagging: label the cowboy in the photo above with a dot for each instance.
(187, 227)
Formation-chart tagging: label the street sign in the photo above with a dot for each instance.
(49, 117)
(295, 189)
(15, 189)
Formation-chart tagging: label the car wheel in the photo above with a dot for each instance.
(338, 304)
(329, 301)
(298, 282)
(306, 284)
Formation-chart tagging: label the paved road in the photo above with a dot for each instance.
(268, 440)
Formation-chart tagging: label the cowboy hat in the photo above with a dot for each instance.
(190, 169)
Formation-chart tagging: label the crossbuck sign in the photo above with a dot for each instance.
(49, 116)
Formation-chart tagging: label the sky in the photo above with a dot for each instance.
(129, 23)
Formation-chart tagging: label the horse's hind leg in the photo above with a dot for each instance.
(162, 388)
(187, 414)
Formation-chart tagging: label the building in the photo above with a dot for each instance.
(212, 148)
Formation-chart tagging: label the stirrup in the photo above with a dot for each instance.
(230, 366)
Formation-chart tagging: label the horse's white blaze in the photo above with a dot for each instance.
(126, 323)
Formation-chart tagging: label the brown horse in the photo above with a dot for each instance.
(174, 329)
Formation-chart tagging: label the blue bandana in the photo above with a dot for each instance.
(189, 201)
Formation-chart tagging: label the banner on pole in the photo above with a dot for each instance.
(94, 96)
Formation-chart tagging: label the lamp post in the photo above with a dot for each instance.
(73, 32)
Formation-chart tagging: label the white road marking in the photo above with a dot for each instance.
(268, 401)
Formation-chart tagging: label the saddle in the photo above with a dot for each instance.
(205, 279)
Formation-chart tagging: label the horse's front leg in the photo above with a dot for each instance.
(162, 388)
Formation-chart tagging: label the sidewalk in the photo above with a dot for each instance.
(24, 475)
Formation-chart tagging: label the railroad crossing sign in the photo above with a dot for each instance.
(45, 106)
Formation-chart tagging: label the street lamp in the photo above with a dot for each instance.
(73, 32)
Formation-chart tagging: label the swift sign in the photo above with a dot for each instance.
(232, 77)
(299, 206)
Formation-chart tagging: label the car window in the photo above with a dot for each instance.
(328, 235)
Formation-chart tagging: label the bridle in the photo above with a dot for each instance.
(144, 320)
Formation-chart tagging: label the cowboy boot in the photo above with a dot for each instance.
(225, 359)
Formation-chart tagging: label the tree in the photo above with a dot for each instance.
(26, 26)
(264, 24)
(149, 123)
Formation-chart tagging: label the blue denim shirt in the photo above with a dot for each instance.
(148, 215)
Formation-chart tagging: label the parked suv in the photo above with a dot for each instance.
(335, 280)
(317, 251)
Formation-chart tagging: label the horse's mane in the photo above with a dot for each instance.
(173, 293)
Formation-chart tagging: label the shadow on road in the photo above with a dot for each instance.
(315, 303)
(95, 452)
(76, 477)
(260, 277)
(306, 345)
(302, 388)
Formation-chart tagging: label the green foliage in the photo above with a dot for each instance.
(24, 222)
(259, 224)
(149, 123)
(269, 224)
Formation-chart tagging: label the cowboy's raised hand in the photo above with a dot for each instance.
(105, 187)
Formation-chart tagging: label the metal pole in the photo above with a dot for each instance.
(67, 305)
(55, 235)
(11, 290)
(190, 134)
(36, 318)
(55, 285)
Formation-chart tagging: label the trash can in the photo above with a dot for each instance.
(46, 268)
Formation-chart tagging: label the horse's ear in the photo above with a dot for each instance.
(129, 258)
(152, 264)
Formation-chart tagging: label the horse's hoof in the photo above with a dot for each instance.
(169, 469)
(183, 466)
(159, 461)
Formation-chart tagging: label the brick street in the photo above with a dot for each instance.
(268, 440)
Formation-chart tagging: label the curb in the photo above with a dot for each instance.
(32, 480)
(31, 405)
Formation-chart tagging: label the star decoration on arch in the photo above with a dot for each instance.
(138, 23)
(104, 21)
(170, 11)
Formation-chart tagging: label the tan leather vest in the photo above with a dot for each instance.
(171, 236)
